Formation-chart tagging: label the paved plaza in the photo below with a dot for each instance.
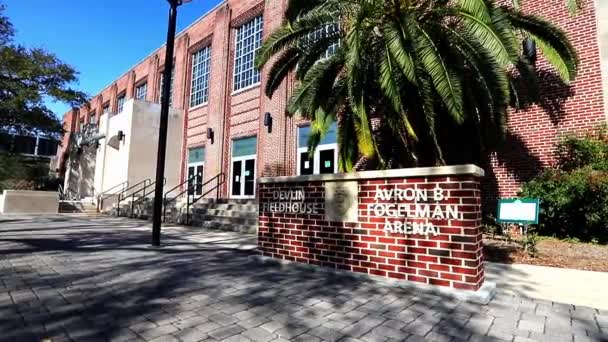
(76, 278)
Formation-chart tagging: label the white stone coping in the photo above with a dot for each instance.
(455, 170)
(29, 193)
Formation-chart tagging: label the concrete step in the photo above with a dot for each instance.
(226, 219)
(250, 214)
(73, 207)
(241, 228)
(228, 206)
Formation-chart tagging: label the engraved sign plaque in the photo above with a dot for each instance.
(341, 201)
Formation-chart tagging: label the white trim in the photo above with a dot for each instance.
(195, 165)
(255, 167)
(469, 169)
(236, 50)
(202, 105)
(316, 162)
(242, 90)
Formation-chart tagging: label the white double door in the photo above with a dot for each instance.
(243, 177)
(196, 172)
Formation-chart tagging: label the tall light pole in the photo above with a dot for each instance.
(164, 121)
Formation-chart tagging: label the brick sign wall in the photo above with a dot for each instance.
(419, 225)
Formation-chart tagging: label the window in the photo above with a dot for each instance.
(196, 166)
(243, 167)
(47, 147)
(199, 93)
(327, 30)
(81, 126)
(24, 144)
(141, 91)
(121, 102)
(162, 83)
(106, 108)
(326, 156)
(248, 41)
(92, 117)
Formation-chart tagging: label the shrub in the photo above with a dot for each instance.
(574, 194)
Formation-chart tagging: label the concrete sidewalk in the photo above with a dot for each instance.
(550, 283)
(74, 278)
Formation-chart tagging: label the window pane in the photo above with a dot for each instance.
(25, 144)
(331, 136)
(249, 177)
(244, 147)
(248, 41)
(196, 155)
(327, 161)
(236, 178)
(141, 91)
(121, 103)
(201, 65)
(162, 82)
(93, 117)
(306, 166)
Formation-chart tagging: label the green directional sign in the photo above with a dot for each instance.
(518, 210)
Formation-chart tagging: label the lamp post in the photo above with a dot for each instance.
(164, 121)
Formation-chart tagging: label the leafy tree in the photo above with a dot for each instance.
(409, 82)
(27, 77)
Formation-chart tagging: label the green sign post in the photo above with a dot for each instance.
(519, 210)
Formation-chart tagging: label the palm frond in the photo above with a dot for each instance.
(552, 42)
(286, 62)
(497, 36)
(444, 81)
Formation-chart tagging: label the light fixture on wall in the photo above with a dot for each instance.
(121, 135)
(210, 135)
(529, 50)
(268, 121)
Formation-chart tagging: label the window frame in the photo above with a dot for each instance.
(316, 160)
(161, 80)
(142, 84)
(203, 78)
(120, 107)
(243, 159)
(240, 61)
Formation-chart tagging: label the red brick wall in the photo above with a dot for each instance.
(453, 258)
(563, 109)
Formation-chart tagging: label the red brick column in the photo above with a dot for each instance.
(418, 225)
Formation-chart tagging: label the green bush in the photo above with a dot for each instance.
(574, 194)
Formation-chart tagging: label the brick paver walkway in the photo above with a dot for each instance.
(82, 279)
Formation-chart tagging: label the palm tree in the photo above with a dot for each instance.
(403, 71)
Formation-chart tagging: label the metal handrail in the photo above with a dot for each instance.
(106, 194)
(165, 201)
(121, 194)
(121, 185)
(221, 179)
(134, 201)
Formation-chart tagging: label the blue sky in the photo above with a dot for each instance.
(100, 39)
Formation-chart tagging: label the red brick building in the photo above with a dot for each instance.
(220, 92)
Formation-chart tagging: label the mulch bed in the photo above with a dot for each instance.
(551, 252)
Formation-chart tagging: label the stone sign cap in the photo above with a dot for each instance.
(460, 170)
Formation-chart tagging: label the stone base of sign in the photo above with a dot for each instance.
(412, 225)
(482, 296)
